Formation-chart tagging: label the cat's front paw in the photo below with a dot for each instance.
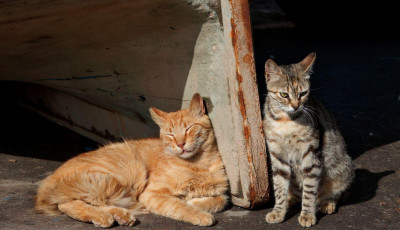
(204, 219)
(275, 217)
(105, 220)
(307, 220)
(123, 216)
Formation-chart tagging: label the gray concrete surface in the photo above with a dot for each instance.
(356, 76)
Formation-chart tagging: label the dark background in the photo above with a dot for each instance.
(356, 76)
(356, 73)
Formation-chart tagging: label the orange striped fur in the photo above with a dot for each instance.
(179, 175)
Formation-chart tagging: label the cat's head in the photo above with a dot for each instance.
(184, 132)
(289, 85)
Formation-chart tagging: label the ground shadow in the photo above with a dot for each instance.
(363, 189)
(364, 186)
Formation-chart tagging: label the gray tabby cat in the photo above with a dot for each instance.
(307, 152)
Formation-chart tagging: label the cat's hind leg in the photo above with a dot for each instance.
(328, 196)
(209, 204)
(80, 210)
(328, 206)
(100, 216)
(330, 192)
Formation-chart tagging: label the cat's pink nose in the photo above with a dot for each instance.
(295, 105)
(181, 145)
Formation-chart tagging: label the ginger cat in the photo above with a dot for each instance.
(179, 175)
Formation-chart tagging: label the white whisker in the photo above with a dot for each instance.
(316, 88)
(311, 110)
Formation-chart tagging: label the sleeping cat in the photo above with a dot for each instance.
(179, 175)
(307, 152)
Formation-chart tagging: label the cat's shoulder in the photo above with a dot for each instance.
(144, 141)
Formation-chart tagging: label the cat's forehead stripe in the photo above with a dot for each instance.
(181, 121)
(178, 122)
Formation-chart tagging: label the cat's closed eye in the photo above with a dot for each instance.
(189, 128)
(192, 127)
(170, 135)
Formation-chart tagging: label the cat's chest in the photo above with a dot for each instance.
(289, 138)
(198, 184)
(187, 178)
(284, 129)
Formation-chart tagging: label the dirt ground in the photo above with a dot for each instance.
(356, 76)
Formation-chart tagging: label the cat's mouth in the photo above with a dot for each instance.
(185, 151)
(292, 111)
(185, 154)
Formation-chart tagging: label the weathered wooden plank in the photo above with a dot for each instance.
(97, 123)
(244, 97)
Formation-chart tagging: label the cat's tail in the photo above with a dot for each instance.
(44, 203)
(44, 206)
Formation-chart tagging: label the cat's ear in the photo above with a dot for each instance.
(272, 71)
(197, 105)
(158, 116)
(307, 63)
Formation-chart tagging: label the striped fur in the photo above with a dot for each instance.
(180, 175)
(306, 149)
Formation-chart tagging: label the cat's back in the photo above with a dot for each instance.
(122, 161)
(111, 154)
(330, 134)
(333, 144)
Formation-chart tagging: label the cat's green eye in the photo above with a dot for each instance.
(284, 95)
(302, 94)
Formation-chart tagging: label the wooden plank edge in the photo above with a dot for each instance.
(249, 103)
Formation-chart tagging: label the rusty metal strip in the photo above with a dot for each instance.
(249, 101)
